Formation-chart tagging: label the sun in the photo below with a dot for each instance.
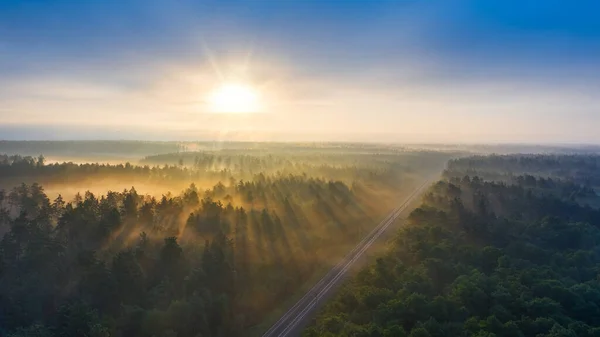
(234, 98)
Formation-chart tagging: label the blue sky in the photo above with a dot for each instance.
(463, 71)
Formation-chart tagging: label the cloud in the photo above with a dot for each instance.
(387, 71)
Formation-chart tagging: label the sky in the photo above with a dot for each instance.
(391, 71)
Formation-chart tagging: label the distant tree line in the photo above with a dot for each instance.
(580, 169)
(85, 149)
(382, 172)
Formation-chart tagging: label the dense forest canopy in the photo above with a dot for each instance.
(582, 169)
(225, 238)
(576, 177)
(269, 249)
(175, 171)
(503, 245)
(484, 258)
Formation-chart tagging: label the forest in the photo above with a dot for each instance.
(578, 168)
(316, 168)
(572, 176)
(509, 253)
(221, 241)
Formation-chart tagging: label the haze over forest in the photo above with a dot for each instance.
(368, 168)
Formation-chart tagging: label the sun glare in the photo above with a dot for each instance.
(234, 98)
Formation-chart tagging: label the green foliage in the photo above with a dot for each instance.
(480, 259)
(570, 177)
(211, 262)
(35, 330)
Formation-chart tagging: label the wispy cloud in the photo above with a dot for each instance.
(390, 70)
